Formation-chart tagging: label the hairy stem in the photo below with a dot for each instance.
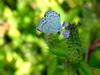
(85, 68)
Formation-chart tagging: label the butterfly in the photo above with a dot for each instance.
(50, 23)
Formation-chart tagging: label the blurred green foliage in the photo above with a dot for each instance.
(23, 49)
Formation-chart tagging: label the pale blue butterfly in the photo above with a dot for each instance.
(50, 23)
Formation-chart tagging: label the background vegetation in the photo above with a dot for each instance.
(23, 50)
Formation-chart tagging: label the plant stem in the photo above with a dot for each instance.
(70, 69)
(85, 68)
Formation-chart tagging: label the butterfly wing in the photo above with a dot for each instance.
(40, 24)
(51, 13)
(43, 25)
(50, 23)
(54, 24)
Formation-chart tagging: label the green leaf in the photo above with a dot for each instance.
(52, 66)
(85, 68)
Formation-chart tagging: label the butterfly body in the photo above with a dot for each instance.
(50, 22)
